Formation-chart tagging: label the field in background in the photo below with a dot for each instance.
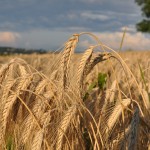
(88, 101)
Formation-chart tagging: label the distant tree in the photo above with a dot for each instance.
(144, 25)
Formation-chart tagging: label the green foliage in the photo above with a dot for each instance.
(85, 96)
(10, 143)
(144, 25)
(93, 85)
(102, 80)
(100, 83)
(145, 7)
(122, 40)
(10, 50)
(142, 76)
(139, 2)
(144, 80)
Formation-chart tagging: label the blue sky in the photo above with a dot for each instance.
(48, 24)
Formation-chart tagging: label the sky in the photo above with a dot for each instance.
(47, 24)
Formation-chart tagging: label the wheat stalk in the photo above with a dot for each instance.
(112, 91)
(147, 99)
(122, 140)
(134, 130)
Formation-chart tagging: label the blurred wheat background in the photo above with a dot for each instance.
(95, 100)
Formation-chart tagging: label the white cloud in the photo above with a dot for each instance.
(76, 29)
(8, 37)
(134, 41)
(95, 16)
(92, 1)
(129, 28)
(49, 39)
(85, 44)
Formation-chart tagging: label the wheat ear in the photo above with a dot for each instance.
(37, 140)
(27, 126)
(37, 109)
(69, 48)
(64, 124)
(81, 70)
(29, 123)
(6, 89)
(23, 71)
(114, 116)
(3, 70)
(9, 102)
(45, 119)
(40, 87)
(96, 58)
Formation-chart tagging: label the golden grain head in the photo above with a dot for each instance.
(94, 100)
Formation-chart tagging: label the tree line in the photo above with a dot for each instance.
(11, 50)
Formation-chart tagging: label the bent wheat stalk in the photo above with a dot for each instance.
(99, 57)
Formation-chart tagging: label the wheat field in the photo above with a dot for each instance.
(96, 100)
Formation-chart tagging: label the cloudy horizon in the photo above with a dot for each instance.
(48, 24)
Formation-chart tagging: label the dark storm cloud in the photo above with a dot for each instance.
(48, 23)
(92, 15)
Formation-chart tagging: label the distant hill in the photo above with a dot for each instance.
(11, 50)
